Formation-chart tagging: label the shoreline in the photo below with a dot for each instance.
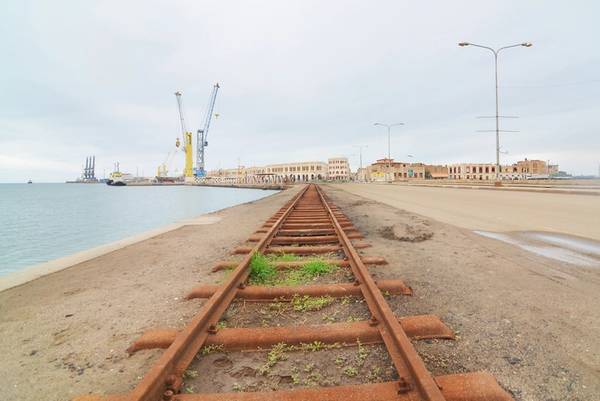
(38, 270)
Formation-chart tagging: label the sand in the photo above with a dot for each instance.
(577, 215)
(531, 321)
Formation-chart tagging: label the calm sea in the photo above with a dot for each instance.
(41, 222)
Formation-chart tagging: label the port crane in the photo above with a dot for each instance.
(202, 134)
(163, 169)
(187, 139)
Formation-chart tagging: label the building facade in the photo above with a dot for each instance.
(338, 169)
(272, 173)
(298, 172)
(472, 171)
(390, 170)
(436, 172)
(521, 170)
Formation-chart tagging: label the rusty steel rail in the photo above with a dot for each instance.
(409, 365)
(308, 224)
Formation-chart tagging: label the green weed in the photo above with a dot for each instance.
(350, 371)
(262, 270)
(211, 349)
(307, 303)
(316, 268)
(276, 354)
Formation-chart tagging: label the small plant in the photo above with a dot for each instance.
(262, 270)
(374, 374)
(221, 325)
(309, 367)
(190, 374)
(340, 360)
(314, 346)
(350, 371)
(316, 268)
(330, 318)
(237, 387)
(361, 354)
(345, 300)
(308, 303)
(211, 349)
(276, 354)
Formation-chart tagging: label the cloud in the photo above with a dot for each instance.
(301, 80)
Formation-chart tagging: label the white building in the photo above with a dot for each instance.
(338, 169)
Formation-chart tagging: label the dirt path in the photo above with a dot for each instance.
(531, 321)
(577, 215)
(66, 333)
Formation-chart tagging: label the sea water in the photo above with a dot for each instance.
(41, 222)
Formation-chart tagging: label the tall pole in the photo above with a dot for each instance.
(389, 127)
(496, 52)
(497, 119)
(360, 148)
(389, 154)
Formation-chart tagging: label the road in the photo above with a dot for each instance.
(500, 211)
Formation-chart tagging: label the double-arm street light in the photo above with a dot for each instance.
(389, 127)
(496, 52)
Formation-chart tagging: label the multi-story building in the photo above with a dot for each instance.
(389, 170)
(362, 174)
(338, 169)
(472, 171)
(300, 171)
(521, 170)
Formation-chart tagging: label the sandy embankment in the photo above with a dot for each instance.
(529, 320)
(66, 333)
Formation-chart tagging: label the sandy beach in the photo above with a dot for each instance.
(529, 320)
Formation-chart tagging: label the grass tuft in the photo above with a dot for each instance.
(262, 270)
(308, 303)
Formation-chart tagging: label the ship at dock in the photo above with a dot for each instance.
(119, 179)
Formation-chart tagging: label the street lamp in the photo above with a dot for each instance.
(496, 52)
(360, 148)
(388, 126)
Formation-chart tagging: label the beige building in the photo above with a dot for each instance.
(389, 170)
(436, 172)
(521, 170)
(272, 173)
(338, 169)
(472, 171)
(300, 171)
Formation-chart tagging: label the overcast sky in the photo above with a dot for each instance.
(300, 80)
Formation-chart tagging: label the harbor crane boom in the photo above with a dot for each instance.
(202, 135)
(187, 139)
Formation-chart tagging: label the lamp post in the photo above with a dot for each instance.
(389, 127)
(496, 52)
(360, 148)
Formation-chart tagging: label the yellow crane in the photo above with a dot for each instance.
(188, 170)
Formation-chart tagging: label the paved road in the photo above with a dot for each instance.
(499, 211)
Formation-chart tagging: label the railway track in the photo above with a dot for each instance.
(310, 229)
